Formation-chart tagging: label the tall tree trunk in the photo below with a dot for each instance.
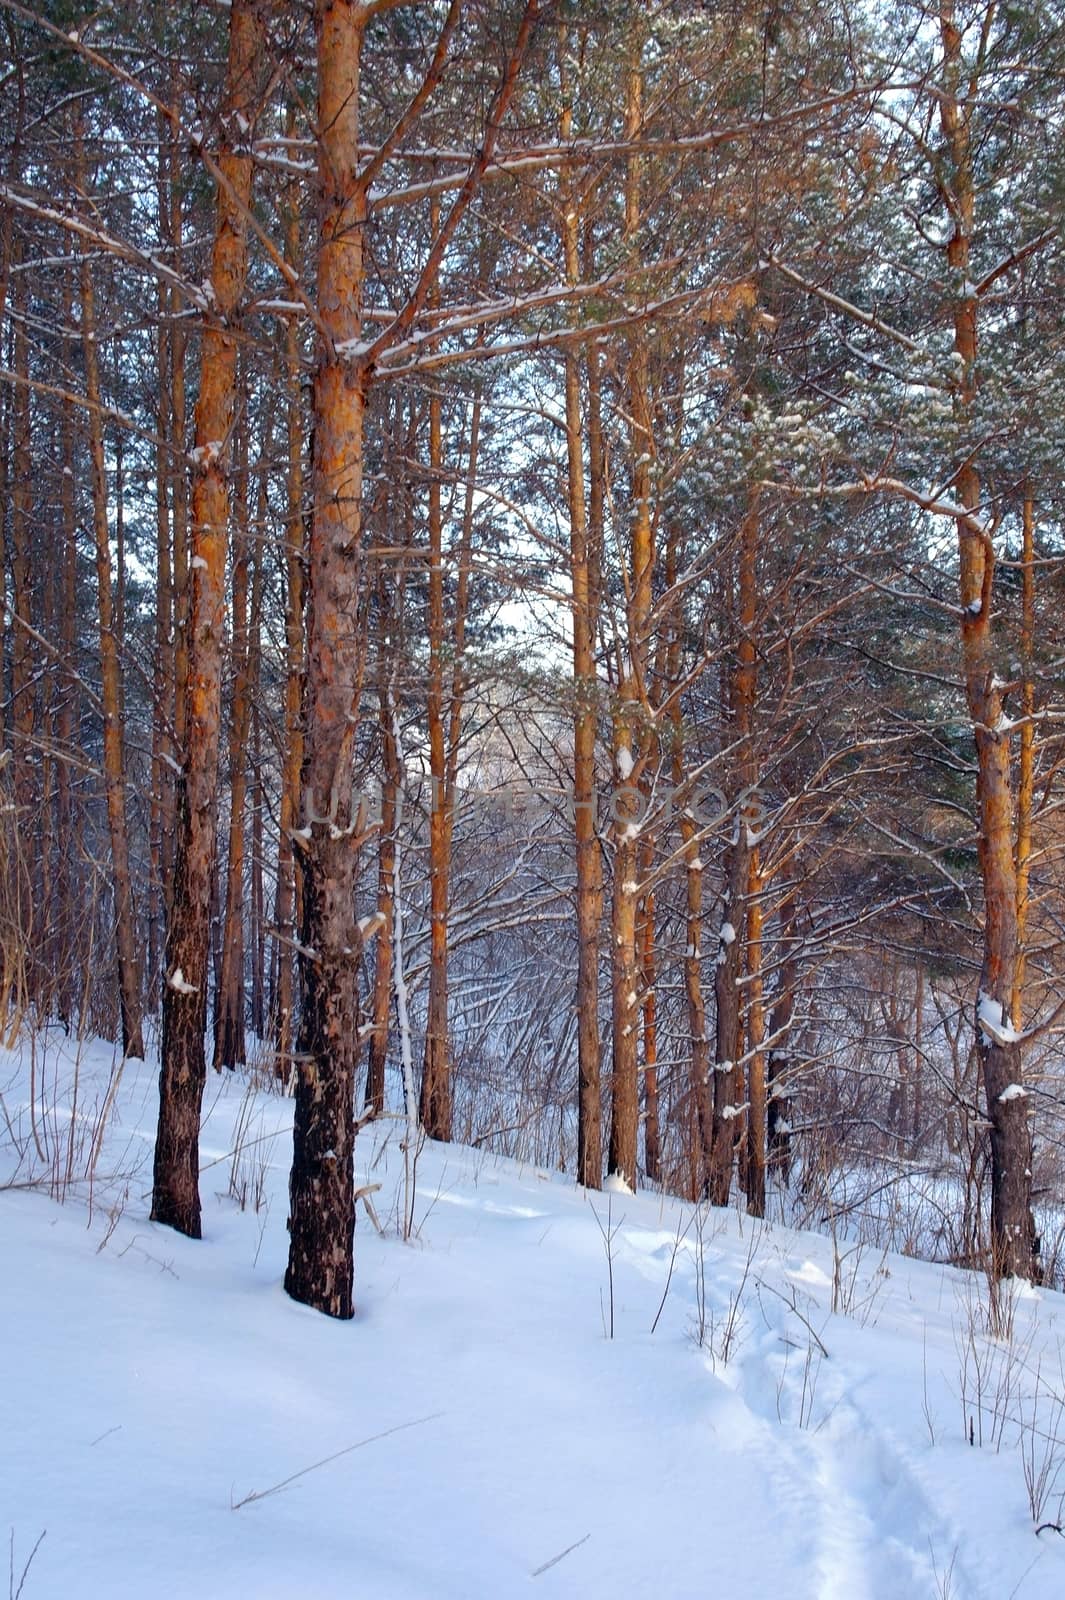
(584, 603)
(175, 1194)
(7, 229)
(747, 685)
(46, 802)
(257, 906)
(67, 861)
(110, 677)
(756, 1078)
(699, 1100)
(287, 865)
(257, 909)
(23, 697)
(435, 1103)
(624, 966)
(386, 859)
(1013, 1239)
(632, 694)
(729, 1117)
(164, 755)
(120, 556)
(179, 495)
(781, 1015)
(701, 1123)
(445, 747)
(15, 511)
(229, 1043)
(917, 1109)
(322, 1195)
(1026, 756)
(178, 477)
(652, 1138)
(727, 973)
(5, 474)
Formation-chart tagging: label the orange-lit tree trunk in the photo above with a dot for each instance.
(1013, 1240)
(1026, 754)
(321, 1192)
(110, 679)
(175, 1194)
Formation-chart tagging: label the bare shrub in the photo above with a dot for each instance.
(1042, 1445)
(724, 1330)
(990, 1374)
(55, 1139)
(14, 1589)
(855, 1295)
(250, 1157)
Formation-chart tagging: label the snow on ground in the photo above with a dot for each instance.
(488, 1438)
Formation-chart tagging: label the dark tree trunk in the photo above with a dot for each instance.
(778, 1126)
(322, 1184)
(727, 1078)
(386, 866)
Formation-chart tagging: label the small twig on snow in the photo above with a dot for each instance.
(262, 1494)
(554, 1561)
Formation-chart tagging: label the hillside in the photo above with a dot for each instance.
(176, 1424)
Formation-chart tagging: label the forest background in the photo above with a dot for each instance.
(624, 443)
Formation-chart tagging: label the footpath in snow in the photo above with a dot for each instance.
(174, 1425)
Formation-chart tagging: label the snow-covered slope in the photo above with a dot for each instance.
(475, 1432)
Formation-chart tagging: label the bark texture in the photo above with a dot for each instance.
(628, 802)
(998, 1002)
(175, 1193)
(321, 1192)
(287, 864)
(584, 603)
(435, 1103)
